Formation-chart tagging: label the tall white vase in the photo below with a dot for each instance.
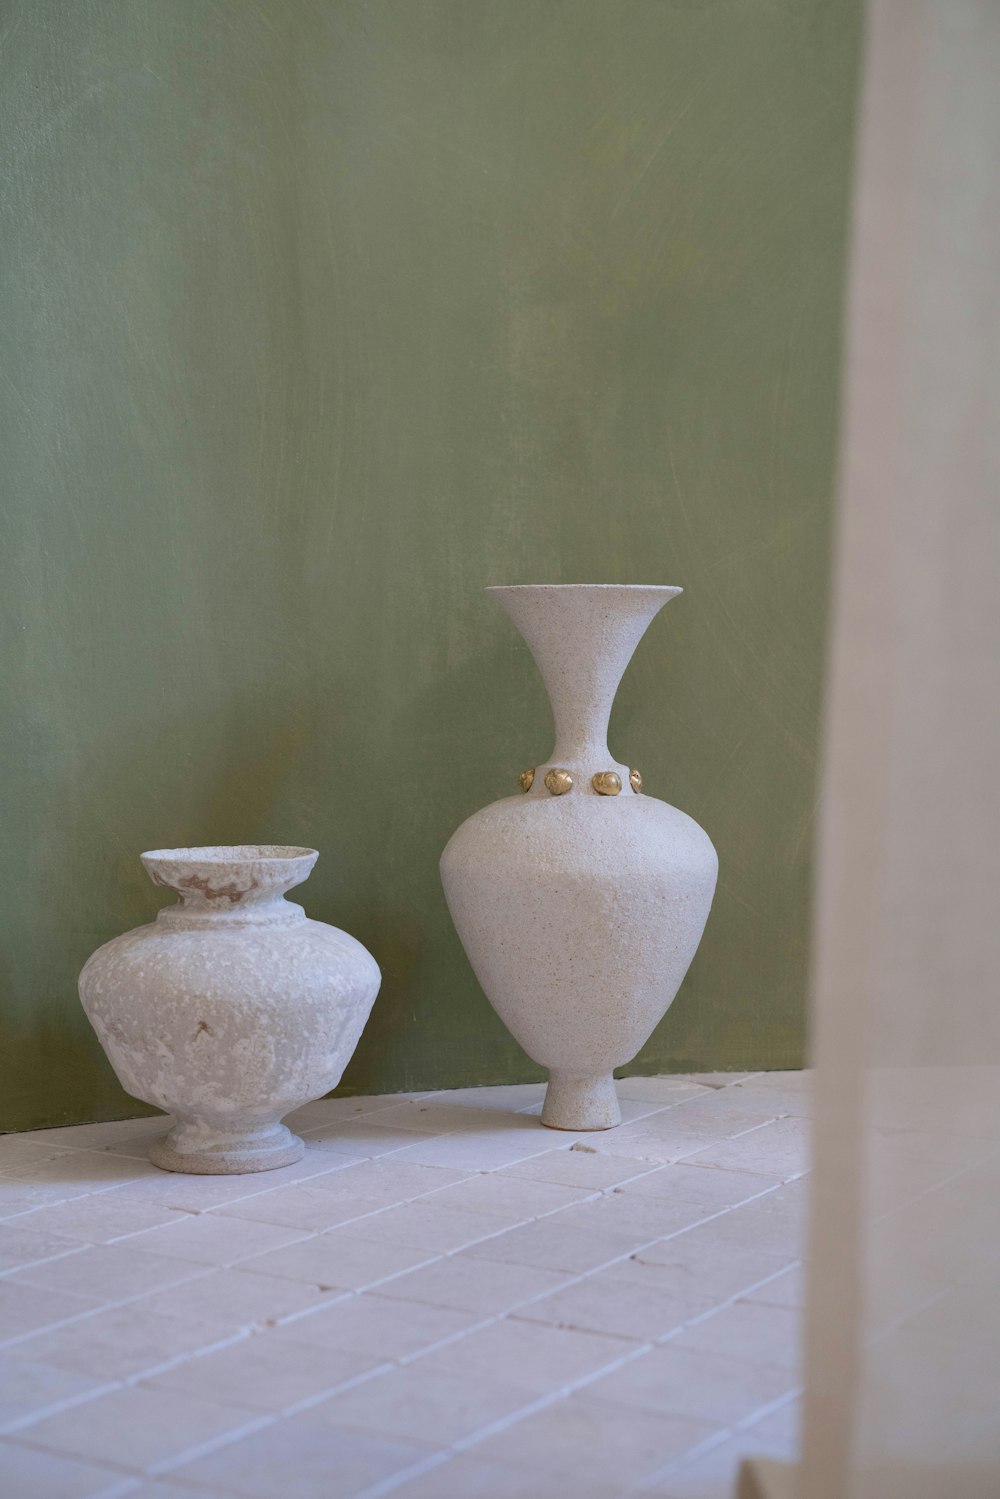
(230, 1009)
(580, 901)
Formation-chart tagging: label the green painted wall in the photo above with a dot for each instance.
(318, 318)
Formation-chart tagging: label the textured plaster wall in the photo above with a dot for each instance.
(317, 318)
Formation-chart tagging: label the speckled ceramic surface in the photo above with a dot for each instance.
(232, 1008)
(580, 907)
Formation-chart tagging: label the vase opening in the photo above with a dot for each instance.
(226, 875)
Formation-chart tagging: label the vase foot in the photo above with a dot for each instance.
(581, 1102)
(199, 1151)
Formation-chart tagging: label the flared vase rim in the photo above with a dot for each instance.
(221, 854)
(669, 588)
(225, 875)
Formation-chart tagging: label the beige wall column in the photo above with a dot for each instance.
(903, 1325)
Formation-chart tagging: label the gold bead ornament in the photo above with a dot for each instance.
(635, 780)
(527, 779)
(607, 783)
(559, 782)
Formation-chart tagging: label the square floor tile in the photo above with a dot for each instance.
(674, 1381)
(663, 1090)
(416, 1404)
(623, 1309)
(713, 1474)
(211, 1239)
(28, 1389)
(775, 1222)
(719, 1080)
(343, 1196)
(709, 1186)
(746, 1330)
(115, 1344)
(100, 1217)
(91, 1169)
(761, 1097)
(373, 1324)
(22, 1245)
(107, 1272)
(679, 1133)
(339, 1259)
(787, 1289)
(466, 1478)
(549, 1244)
(138, 1427)
(582, 1437)
(482, 1150)
(199, 1194)
(632, 1220)
(782, 1148)
(389, 1180)
(362, 1140)
(223, 1302)
(504, 1096)
(27, 1309)
(580, 1167)
(481, 1286)
(264, 1372)
(18, 1152)
(427, 1224)
(533, 1354)
(15, 1204)
(518, 1199)
(42, 1475)
(436, 1117)
(477, 1151)
(304, 1206)
(654, 1281)
(164, 1490)
(296, 1459)
(717, 1271)
(90, 1136)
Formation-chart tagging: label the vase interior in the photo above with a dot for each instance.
(229, 874)
(582, 636)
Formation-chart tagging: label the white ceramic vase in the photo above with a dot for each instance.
(231, 1008)
(581, 901)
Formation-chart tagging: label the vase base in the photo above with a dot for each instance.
(576, 1103)
(231, 1155)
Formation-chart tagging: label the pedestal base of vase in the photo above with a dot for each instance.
(581, 1102)
(200, 1152)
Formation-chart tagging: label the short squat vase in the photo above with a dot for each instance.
(580, 901)
(230, 1009)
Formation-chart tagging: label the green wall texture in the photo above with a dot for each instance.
(319, 317)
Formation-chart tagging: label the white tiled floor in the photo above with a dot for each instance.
(444, 1300)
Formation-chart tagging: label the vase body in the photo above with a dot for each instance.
(580, 901)
(230, 1009)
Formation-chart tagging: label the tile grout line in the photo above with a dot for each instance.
(354, 1160)
(267, 1419)
(229, 1439)
(718, 1439)
(346, 1292)
(572, 1387)
(654, 1165)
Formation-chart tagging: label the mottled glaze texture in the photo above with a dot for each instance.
(580, 912)
(232, 1008)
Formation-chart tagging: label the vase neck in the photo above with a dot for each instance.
(231, 885)
(582, 638)
(199, 916)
